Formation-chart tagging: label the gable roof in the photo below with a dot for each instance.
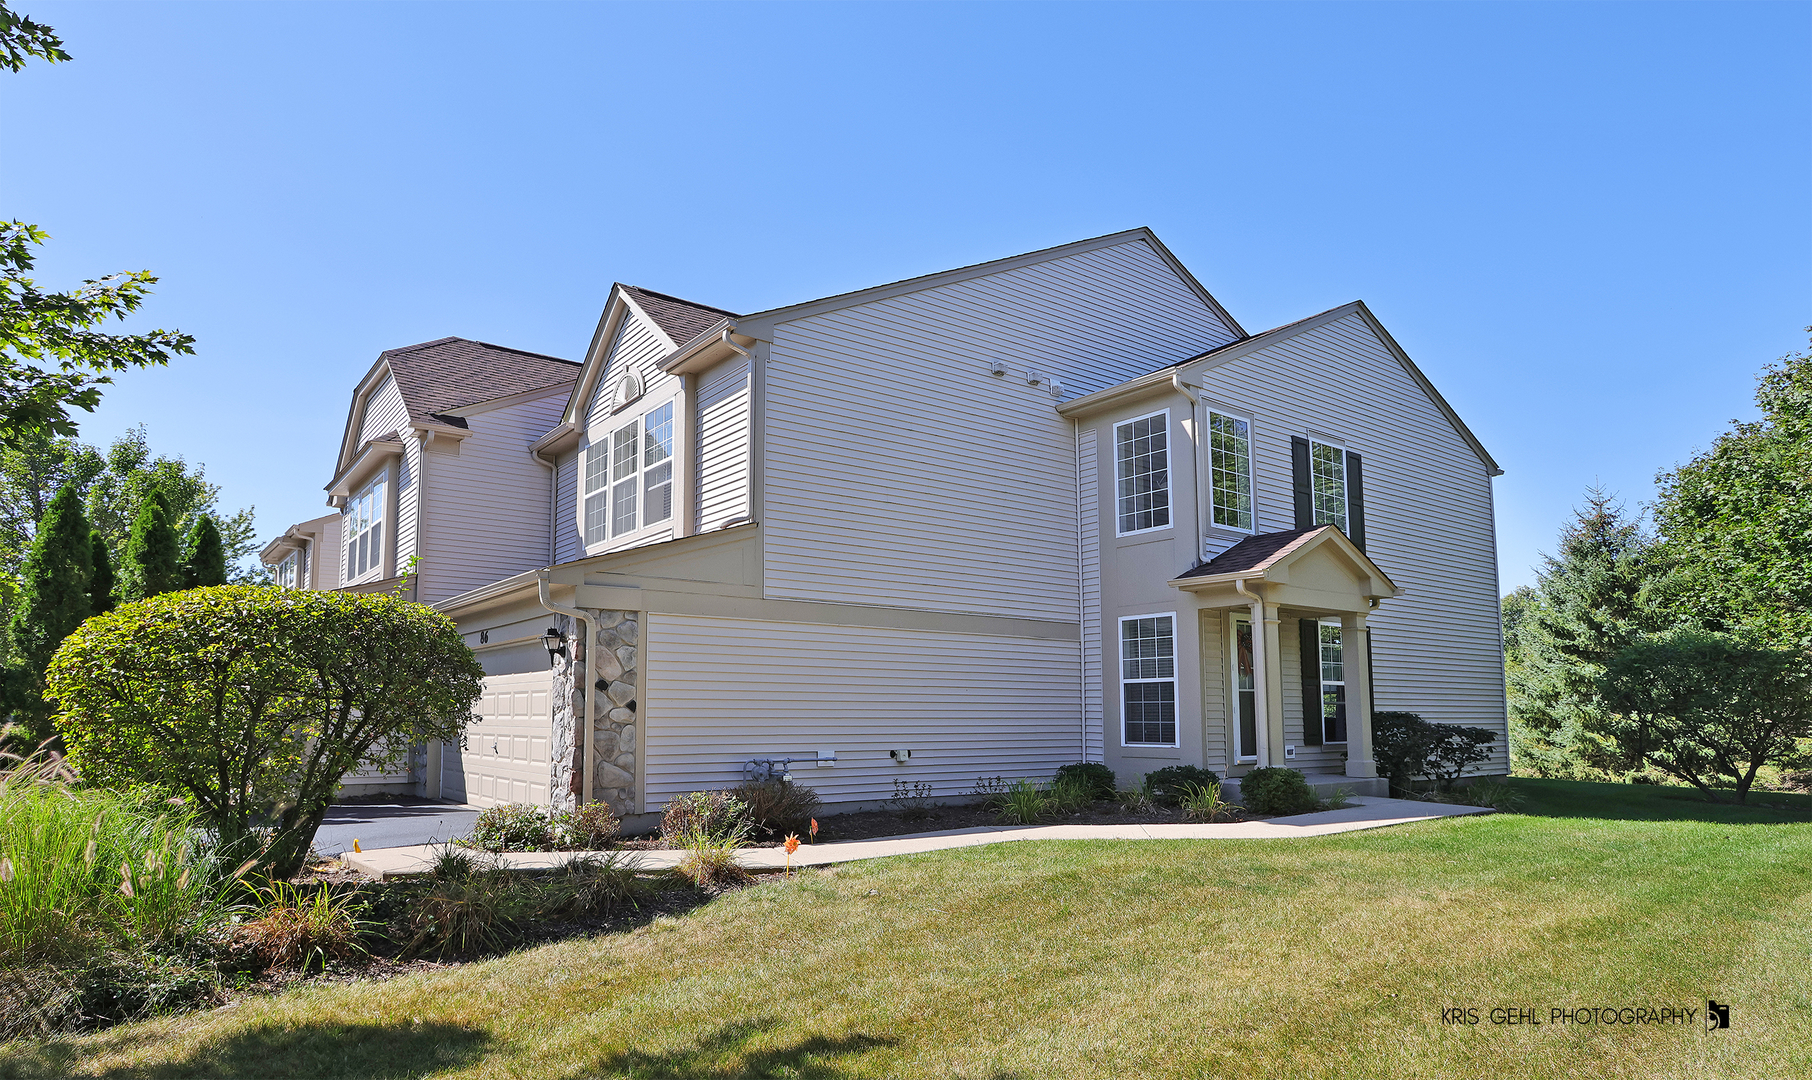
(1254, 554)
(760, 323)
(450, 372)
(680, 320)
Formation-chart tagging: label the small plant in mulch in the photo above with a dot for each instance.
(1203, 802)
(911, 799)
(300, 928)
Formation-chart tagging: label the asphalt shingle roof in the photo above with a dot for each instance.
(1253, 554)
(450, 372)
(681, 320)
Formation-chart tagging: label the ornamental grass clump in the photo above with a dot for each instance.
(1203, 802)
(1023, 803)
(709, 826)
(299, 928)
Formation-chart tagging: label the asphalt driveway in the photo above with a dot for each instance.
(396, 822)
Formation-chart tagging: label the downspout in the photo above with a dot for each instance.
(1081, 597)
(1195, 462)
(753, 449)
(582, 625)
(1261, 697)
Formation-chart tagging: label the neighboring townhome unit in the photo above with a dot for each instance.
(981, 523)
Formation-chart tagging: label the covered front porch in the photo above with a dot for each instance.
(1286, 658)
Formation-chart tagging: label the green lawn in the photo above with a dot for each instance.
(1323, 957)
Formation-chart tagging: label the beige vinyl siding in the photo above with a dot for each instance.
(487, 503)
(1217, 690)
(1089, 505)
(408, 500)
(1428, 512)
(385, 412)
(568, 544)
(899, 472)
(718, 692)
(721, 449)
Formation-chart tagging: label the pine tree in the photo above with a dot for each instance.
(153, 563)
(204, 555)
(1589, 602)
(100, 574)
(52, 603)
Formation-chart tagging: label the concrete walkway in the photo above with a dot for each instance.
(1365, 813)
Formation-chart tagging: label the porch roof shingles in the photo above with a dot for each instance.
(1254, 554)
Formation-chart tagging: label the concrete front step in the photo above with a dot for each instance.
(1324, 785)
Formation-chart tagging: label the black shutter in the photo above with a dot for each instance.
(1305, 492)
(1311, 681)
(1355, 501)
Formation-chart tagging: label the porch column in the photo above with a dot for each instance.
(1261, 685)
(1272, 674)
(1353, 651)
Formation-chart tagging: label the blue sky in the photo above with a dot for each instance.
(1589, 224)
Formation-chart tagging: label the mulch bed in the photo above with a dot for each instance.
(875, 824)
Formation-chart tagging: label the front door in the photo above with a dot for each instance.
(1245, 690)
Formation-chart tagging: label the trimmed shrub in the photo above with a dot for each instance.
(1167, 784)
(777, 807)
(511, 827)
(1276, 791)
(1097, 779)
(1401, 743)
(590, 828)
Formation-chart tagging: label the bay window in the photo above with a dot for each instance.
(628, 480)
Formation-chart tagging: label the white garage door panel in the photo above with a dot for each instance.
(506, 754)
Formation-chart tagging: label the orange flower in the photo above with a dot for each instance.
(814, 830)
(792, 843)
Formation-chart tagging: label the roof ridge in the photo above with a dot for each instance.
(680, 300)
(523, 352)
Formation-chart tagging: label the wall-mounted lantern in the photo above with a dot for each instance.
(555, 643)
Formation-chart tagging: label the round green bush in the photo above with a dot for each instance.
(1169, 784)
(1096, 777)
(1276, 791)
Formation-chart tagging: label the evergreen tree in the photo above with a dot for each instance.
(100, 574)
(153, 562)
(203, 555)
(53, 601)
(1588, 604)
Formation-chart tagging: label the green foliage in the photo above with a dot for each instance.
(52, 357)
(21, 38)
(590, 828)
(1096, 777)
(777, 807)
(100, 574)
(203, 556)
(1736, 521)
(1276, 791)
(511, 827)
(1203, 802)
(1710, 708)
(1406, 747)
(256, 701)
(1023, 803)
(1166, 784)
(85, 871)
(52, 602)
(153, 559)
(704, 814)
(1072, 793)
(1590, 600)
(912, 799)
(1453, 749)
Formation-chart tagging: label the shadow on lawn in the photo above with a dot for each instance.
(399, 1051)
(726, 1052)
(1654, 802)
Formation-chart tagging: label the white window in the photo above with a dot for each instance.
(363, 523)
(1142, 473)
(1148, 680)
(1327, 477)
(1230, 471)
(287, 570)
(628, 482)
(1333, 685)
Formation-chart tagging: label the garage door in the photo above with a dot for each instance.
(505, 759)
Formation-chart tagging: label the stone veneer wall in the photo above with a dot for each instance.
(614, 646)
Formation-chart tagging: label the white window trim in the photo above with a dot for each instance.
(1233, 621)
(600, 432)
(1346, 498)
(1325, 741)
(294, 562)
(1113, 449)
(1209, 412)
(1174, 681)
(380, 516)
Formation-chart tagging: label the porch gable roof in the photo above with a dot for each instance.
(1314, 569)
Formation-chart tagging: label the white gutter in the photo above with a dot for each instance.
(584, 735)
(1261, 697)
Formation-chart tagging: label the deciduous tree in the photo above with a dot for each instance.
(255, 701)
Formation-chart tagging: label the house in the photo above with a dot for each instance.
(1055, 507)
